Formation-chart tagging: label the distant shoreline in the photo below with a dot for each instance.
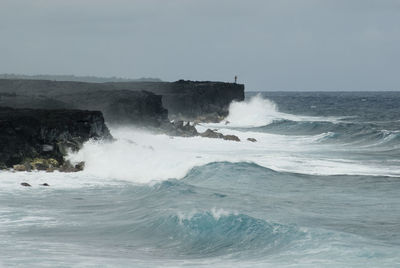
(74, 78)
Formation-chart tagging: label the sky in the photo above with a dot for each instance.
(269, 45)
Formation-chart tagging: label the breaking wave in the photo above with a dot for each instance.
(258, 111)
(218, 232)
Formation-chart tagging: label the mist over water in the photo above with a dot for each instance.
(319, 188)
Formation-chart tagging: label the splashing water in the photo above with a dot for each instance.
(259, 111)
(312, 191)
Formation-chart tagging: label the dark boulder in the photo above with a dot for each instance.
(68, 167)
(216, 135)
(231, 138)
(180, 128)
(80, 166)
(25, 184)
(212, 134)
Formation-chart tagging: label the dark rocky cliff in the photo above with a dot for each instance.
(33, 133)
(187, 100)
(44, 118)
(192, 100)
(121, 106)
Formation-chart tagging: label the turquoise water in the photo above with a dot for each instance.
(319, 188)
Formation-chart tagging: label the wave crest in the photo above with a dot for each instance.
(219, 232)
(257, 112)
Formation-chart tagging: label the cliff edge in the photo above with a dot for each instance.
(26, 134)
(184, 100)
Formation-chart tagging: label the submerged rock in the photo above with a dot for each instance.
(251, 139)
(25, 184)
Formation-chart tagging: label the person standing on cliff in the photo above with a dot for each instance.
(235, 79)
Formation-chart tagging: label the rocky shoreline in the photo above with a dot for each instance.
(127, 102)
(41, 121)
(188, 129)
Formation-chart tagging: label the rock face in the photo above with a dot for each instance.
(118, 106)
(121, 106)
(193, 100)
(127, 102)
(29, 134)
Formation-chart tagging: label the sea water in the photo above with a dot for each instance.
(319, 188)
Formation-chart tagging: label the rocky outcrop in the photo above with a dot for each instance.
(127, 102)
(231, 138)
(69, 167)
(180, 128)
(216, 135)
(41, 120)
(41, 138)
(188, 129)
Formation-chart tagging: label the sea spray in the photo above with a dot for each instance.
(149, 200)
(143, 157)
(259, 111)
(252, 113)
(138, 156)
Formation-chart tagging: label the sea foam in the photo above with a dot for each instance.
(139, 156)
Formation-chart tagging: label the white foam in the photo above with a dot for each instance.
(258, 111)
(142, 157)
(216, 213)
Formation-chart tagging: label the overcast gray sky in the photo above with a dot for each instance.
(270, 45)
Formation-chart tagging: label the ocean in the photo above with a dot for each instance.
(319, 188)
